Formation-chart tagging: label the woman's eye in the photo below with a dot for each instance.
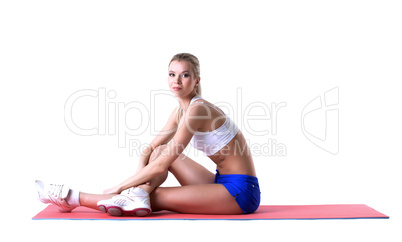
(186, 75)
(171, 74)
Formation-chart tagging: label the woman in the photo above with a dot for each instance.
(233, 189)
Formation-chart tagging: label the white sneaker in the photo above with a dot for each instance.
(54, 194)
(131, 202)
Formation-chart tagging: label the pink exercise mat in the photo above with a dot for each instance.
(264, 212)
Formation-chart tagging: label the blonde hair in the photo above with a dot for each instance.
(195, 66)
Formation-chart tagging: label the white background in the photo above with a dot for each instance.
(276, 51)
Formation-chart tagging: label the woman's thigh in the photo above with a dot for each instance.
(204, 199)
(189, 172)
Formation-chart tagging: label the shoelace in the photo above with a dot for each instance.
(127, 192)
(55, 190)
(55, 195)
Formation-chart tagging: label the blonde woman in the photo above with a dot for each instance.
(234, 189)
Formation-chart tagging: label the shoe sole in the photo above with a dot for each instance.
(118, 212)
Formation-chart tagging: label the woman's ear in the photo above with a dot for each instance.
(198, 81)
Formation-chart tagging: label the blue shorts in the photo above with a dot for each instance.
(244, 188)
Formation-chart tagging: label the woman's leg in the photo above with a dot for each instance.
(203, 199)
(198, 193)
(157, 181)
(189, 172)
(90, 200)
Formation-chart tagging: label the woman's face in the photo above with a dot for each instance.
(181, 78)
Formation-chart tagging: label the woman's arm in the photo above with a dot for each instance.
(164, 136)
(172, 151)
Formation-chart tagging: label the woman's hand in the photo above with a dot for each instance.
(113, 190)
(118, 190)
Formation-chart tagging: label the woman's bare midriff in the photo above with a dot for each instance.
(235, 157)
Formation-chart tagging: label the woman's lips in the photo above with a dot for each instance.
(176, 88)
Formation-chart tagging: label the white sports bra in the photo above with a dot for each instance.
(213, 141)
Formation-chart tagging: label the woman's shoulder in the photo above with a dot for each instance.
(197, 108)
(202, 104)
